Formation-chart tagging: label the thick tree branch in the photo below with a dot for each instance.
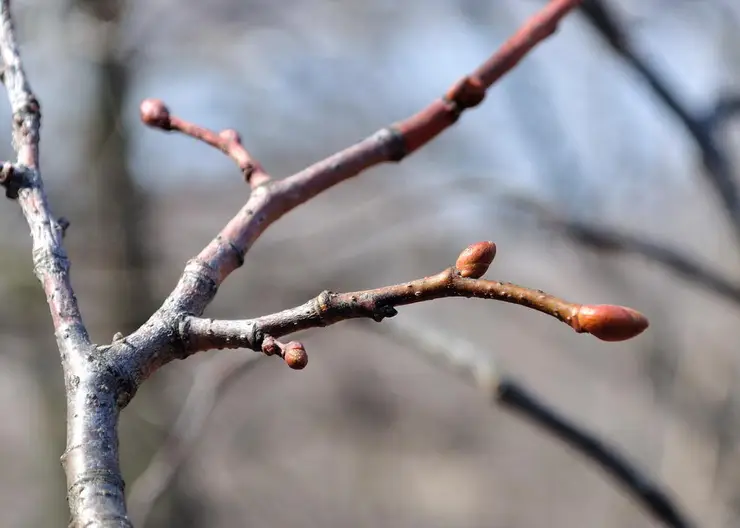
(95, 487)
(607, 322)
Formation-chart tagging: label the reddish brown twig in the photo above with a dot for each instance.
(155, 113)
(100, 381)
(269, 202)
(606, 322)
(469, 91)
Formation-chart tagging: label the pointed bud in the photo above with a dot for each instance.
(295, 355)
(609, 322)
(474, 260)
(154, 113)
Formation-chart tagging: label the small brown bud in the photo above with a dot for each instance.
(475, 259)
(154, 113)
(295, 355)
(608, 322)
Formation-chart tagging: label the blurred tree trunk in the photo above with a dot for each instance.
(116, 226)
(116, 231)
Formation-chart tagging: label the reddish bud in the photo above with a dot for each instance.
(475, 259)
(608, 322)
(295, 355)
(154, 113)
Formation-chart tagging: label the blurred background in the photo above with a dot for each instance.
(604, 167)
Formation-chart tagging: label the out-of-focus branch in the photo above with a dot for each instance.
(606, 322)
(211, 381)
(726, 109)
(718, 171)
(463, 357)
(606, 239)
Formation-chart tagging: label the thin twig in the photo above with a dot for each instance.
(270, 201)
(726, 108)
(465, 359)
(606, 322)
(154, 113)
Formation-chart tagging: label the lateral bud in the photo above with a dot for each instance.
(295, 355)
(475, 259)
(609, 322)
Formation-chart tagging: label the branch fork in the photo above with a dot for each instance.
(101, 380)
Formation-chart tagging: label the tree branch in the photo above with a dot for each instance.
(605, 239)
(269, 202)
(465, 359)
(718, 171)
(101, 380)
(725, 109)
(606, 322)
(94, 484)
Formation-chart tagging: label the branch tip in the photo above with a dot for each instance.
(609, 322)
(154, 113)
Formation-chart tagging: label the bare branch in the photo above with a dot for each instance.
(606, 322)
(94, 483)
(606, 239)
(101, 380)
(465, 359)
(725, 109)
(155, 114)
(718, 172)
(50, 259)
(269, 202)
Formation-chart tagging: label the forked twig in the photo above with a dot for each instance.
(606, 322)
(101, 380)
